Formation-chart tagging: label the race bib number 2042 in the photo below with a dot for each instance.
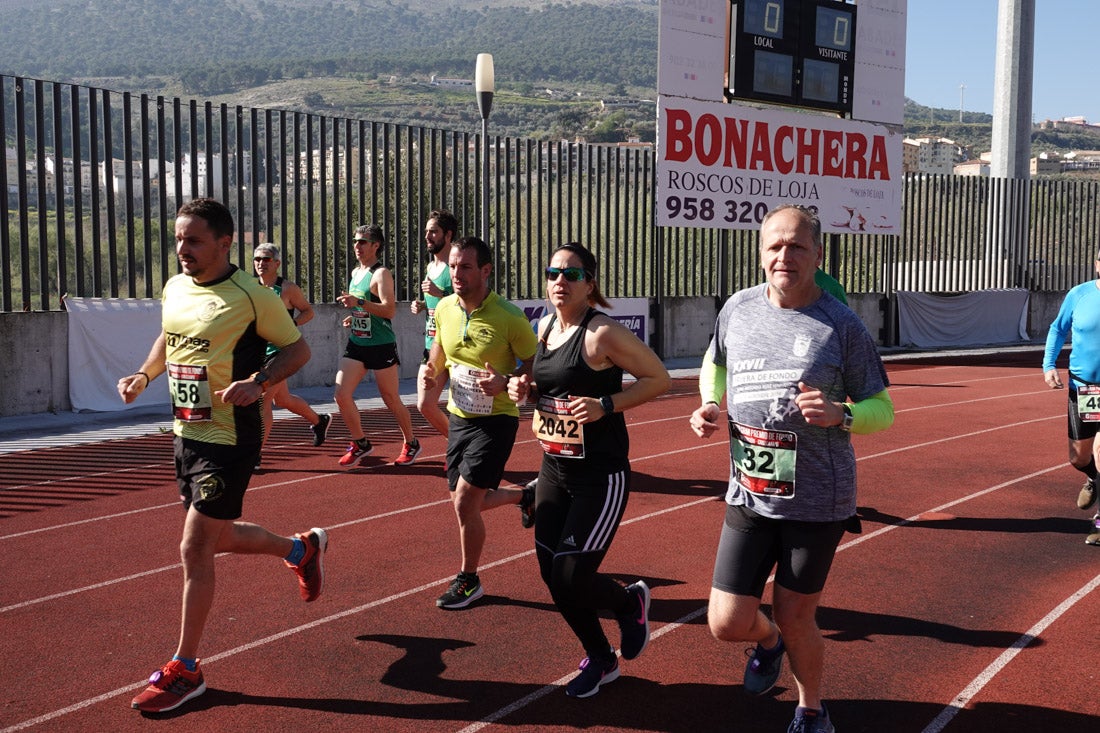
(557, 431)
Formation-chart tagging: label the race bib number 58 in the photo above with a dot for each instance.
(190, 390)
(763, 459)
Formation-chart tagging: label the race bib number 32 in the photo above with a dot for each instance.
(763, 460)
(557, 431)
(190, 390)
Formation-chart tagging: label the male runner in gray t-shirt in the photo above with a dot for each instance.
(799, 371)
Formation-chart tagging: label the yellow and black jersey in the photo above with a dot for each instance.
(215, 334)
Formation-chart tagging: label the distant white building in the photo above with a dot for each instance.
(202, 172)
(1046, 164)
(925, 155)
(976, 167)
(456, 83)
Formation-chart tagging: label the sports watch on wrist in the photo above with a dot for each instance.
(261, 378)
(607, 405)
(846, 423)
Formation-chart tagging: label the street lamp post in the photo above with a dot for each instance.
(485, 85)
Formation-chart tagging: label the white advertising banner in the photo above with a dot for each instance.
(692, 48)
(108, 339)
(631, 312)
(880, 62)
(723, 166)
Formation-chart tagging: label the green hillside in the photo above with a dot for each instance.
(374, 59)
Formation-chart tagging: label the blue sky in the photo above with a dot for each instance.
(952, 42)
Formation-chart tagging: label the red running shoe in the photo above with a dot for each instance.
(357, 450)
(169, 687)
(311, 569)
(408, 453)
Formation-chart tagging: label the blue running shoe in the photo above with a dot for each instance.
(763, 668)
(635, 627)
(808, 720)
(593, 674)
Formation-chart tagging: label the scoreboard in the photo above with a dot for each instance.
(792, 52)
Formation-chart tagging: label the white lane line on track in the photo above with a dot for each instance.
(354, 471)
(83, 476)
(514, 706)
(957, 437)
(47, 717)
(907, 386)
(979, 399)
(978, 683)
(668, 628)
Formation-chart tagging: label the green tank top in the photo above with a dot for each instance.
(366, 329)
(442, 281)
(277, 286)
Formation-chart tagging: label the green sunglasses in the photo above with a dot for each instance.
(572, 274)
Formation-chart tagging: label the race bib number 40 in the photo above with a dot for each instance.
(763, 460)
(1088, 402)
(190, 389)
(467, 393)
(557, 431)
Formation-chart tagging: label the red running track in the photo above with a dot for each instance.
(969, 603)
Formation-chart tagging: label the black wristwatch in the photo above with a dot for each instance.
(607, 405)
(261, 378)
(846, 423)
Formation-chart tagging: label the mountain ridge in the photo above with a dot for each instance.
(375, 59)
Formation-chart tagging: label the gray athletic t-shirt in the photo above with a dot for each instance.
(780, 466)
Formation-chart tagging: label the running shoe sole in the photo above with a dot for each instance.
(319, 558)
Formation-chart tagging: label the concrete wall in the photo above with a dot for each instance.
(34, 367)
(34, 363)
(327, 338)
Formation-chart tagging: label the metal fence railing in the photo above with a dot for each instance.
(93, 178)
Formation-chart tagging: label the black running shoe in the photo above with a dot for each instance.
(320, 430)
(464, 590)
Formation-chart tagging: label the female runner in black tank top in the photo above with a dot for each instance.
(582, 488)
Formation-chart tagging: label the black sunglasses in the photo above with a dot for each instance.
(261, 259)
(572, 274)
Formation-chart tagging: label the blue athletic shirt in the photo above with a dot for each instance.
(1079, 318)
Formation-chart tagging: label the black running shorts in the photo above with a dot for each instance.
(478, 448)
(213, 478)
(751, 545)
(382, 356)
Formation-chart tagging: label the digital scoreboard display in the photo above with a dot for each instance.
(793, 52)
